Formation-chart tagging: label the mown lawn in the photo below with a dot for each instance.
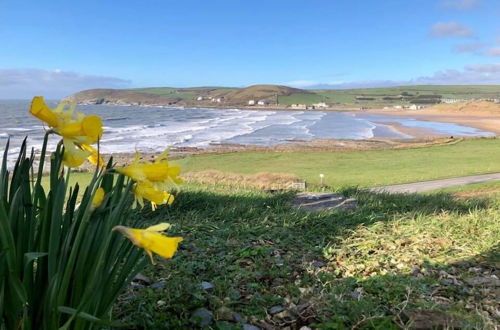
(362, 168)
(393, 261)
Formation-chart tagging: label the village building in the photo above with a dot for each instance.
(298, 106)
(320, 105)
(251, 102)
(262, 102)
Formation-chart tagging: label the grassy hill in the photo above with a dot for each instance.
(283, 96)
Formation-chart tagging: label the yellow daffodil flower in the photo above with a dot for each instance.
(78, 132)
(94, 156)
(158, 172)
(151, 240)
(146, 190)
(98, 198)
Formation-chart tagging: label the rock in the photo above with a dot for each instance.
(318, 264)
(276, 309)
(206, 286)
(238, 318)
(136, 286)
(304, 328)
(202, 317)
(224, 314)
(158, 285)
(324, 201)
(487, 281)
(160, 302)
(247, 326)
(302, 307)
(357, 293)
(141, 278)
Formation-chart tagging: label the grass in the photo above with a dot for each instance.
(377, 267)
(362, 168)
(394, 261)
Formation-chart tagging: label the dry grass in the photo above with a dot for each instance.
(259, 180)
(468, 107)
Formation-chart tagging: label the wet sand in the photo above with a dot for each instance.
(485, 121)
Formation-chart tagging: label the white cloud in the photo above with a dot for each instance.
(450, 29)
(473, 74)
(461, 4)
(474, 47)
(24, 83)
(495, 51)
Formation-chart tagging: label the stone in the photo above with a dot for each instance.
(247, 326)
(206, 286)
(318, 264)
(311, 201)
(238, 318)
(158, 285)
(202, 317)
(276, 309)
(136, 286)
(141, 278)
(305, 328)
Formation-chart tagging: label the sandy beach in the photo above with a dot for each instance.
(481, 115)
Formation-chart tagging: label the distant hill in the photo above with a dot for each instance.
(283, 96)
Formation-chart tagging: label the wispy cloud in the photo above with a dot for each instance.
(450, 29)
(460, 4)
(473, 74)
(495, 51)
(474, 47)
(24, 83)
(481, 74)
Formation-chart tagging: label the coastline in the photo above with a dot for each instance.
(485, 121)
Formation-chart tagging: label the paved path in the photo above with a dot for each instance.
(436, 184)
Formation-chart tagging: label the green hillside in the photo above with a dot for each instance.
(283, 96)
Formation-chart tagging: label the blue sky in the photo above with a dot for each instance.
(59, 47)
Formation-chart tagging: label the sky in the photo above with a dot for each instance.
(56, 48)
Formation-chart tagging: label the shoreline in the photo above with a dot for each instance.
(485, 121)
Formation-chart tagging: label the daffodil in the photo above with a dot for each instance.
(98, 198)
(78, 131)
(146, 190)
(151, 240)
(159, 172)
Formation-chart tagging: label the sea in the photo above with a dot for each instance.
(152, 129)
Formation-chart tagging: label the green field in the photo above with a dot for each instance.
(357, 98)
(348, 96)
(392, 261)
(362, 168)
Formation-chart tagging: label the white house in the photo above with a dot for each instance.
(199, 98)
(320, 105)
(251, 102)
(262, 102)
